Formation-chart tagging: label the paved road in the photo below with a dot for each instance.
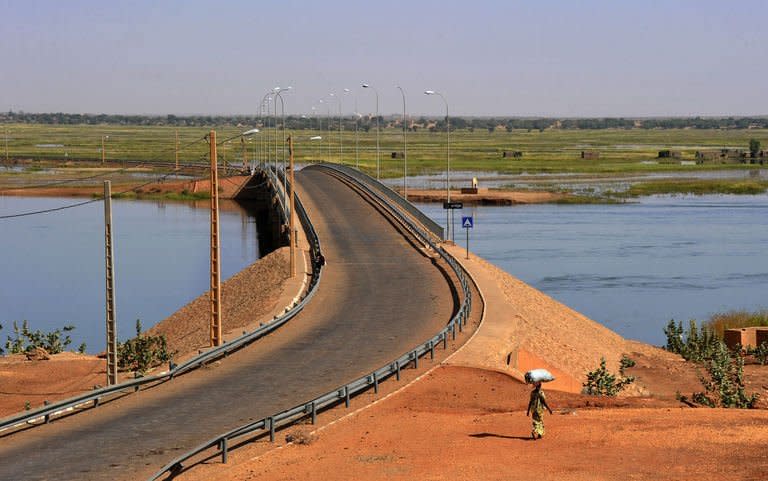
(379, 295)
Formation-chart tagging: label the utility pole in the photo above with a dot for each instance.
(177, 150)
(292, 196)
(6, 147)
(103, 153)
(215, 248)
(110, 283)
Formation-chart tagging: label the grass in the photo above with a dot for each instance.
(548, 151)
(699, 187)
(735, 320)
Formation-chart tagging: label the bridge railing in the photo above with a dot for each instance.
(393, 196)
(93, 398)
(270, 424)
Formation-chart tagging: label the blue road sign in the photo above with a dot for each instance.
(467, 222)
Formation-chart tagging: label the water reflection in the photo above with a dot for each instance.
(53, 264)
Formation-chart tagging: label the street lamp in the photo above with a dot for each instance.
(245, 134)
(328, 124)
(103, 152)
(265, 148)
(378, 153)
(447, 162)
(278, 91)
(405, 147)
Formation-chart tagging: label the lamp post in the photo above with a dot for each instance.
(278, 91)
(328, 122)
(378, 153)
(103, 152)
(265, 120)
(245, 134)
(405, 147)
(447, 162)
(338, 101)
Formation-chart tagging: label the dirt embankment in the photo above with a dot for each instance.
(466, 418)
(228, 188)
(486, 197)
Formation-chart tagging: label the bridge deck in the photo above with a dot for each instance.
(378, 298)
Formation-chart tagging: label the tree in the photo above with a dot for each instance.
(754, 147)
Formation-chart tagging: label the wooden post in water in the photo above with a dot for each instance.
(110, 287)
(215, 248)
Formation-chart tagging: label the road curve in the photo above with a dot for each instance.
(379, 297)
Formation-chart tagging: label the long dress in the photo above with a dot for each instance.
(536, 407)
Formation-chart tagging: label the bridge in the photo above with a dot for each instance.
(382, 293)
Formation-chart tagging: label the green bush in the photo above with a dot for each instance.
(600, 382)
(24, 339)
(724, 385)
(626, 362)
(143, 352)
(760, 353)
(693, 345)
(724, 382)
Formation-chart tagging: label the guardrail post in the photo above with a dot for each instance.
(431, 350)
(415, 360)
(445, 340)
(96, 402)
(346, 396)
(375, 383)
(460, 328)
(314, 413)
(397, 370)
(453, 331)
(271, 422)
(223, 448)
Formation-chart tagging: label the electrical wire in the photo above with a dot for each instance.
(79, 204)
(79, 179)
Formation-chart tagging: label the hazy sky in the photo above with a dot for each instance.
(533, 57)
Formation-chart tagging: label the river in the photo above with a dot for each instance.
(632, 267)
(53, 264)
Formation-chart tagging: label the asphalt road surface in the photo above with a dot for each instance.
(379, 297)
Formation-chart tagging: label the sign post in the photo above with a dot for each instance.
(467, 222)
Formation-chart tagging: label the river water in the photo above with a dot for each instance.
(632, 267)
(53, 264)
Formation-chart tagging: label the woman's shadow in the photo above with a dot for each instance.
(502, 436)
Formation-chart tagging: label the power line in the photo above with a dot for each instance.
(79, 204)
(79, 179)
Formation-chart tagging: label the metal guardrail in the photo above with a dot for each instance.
(344, 393)
(48, 412)
(431, 225)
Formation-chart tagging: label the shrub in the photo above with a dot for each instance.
(760, 353)
(600, 382)
(24, 339)
(724, 385)
(626, 362)
(143, 352)
(693, 345)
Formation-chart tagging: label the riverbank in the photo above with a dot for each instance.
(140, 189)
(488, 197)
(465, 417)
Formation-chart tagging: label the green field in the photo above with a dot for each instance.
(548, 151)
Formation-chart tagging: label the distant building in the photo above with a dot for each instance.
(590, 154)
(515, 154)
(669, 154)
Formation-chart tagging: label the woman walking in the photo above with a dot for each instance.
(536, 405)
